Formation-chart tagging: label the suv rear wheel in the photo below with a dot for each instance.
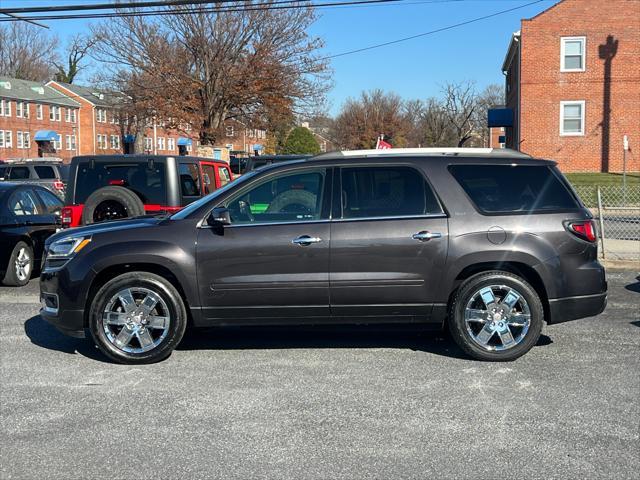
(496, 316)
(137, 317)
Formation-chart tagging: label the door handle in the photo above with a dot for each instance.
(424, 236)
(305, 240)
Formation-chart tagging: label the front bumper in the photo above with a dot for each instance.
(59, 308)
(571, 308)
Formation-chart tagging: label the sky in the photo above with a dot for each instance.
(413, 69)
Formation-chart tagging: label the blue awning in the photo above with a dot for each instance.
(183, 141)
(257, 147)
(500, 117)
(45, 136)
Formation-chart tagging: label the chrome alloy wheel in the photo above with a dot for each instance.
(23, 265)
(497, 317)
(136, 320)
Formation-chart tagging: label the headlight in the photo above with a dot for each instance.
(65, 247)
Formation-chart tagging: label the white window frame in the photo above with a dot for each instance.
(39, 111)
(19, 143)
(171, 144)
(5, 107)
(54, 113)
(230, 131)
(26, 139)
(8, 139)
(160, 143)
(1, 138)
(582, 104)
(563, 41)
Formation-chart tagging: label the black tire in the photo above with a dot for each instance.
(141, 280)
(129, 202)
(465, 294)
(12, 276)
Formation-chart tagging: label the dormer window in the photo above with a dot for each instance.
(572, 54)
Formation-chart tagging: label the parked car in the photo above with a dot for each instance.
(29, 214)
(238, 164)
(49, 173)
(111, 187)
(490, 243)
(262, 160)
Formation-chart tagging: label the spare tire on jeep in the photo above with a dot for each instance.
(111, 203)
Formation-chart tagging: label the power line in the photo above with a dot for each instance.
(277, 5)
(431, 32)
(17, 18)
(112, 6)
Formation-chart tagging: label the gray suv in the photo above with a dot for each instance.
(490, 244)
(50, 174)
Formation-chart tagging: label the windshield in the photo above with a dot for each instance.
(185, 212)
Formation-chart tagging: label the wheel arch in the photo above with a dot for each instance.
(517, 268)
(113, 271)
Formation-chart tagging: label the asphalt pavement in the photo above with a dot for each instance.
(323, 403)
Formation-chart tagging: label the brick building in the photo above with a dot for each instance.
(36, 121)
(573, 84)
(62, 120)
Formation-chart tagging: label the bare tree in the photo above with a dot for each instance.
(203, 68)
(361, 121)
(492, 96)
(76, 51)
(26, 51)
(460, 106)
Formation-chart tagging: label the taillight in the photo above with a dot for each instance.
(66, 216)
(58, 185)
(586, 230)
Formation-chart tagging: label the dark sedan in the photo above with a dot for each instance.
(29, 214)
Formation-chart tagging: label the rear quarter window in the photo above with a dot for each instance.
(514, 189)
(148, 183)
(19, 173)
(45, 172)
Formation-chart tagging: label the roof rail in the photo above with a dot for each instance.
(28, 160)
(446, 151)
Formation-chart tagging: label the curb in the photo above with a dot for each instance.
(21, 299)
(621, 264)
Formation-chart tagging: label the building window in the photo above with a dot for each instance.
(71, 142)
(39, 112)
(115, 142)
(57, 143)
(5, 108)
(23, 140)
(102, 142)
(572, 54)
(229, 130)
(171, 144)
(71, 115)
(101, 115)
(572, 118)
(54, 113)
(160, 143)
(148, 144)
(22, 110)
(8, 143)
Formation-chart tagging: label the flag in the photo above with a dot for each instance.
(381, 144)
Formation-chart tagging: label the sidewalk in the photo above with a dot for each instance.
(621, 252)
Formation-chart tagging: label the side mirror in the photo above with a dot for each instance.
(219, 216)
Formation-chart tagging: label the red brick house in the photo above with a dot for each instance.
(36, 121)
(573, 84)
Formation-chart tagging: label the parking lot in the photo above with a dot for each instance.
(323, 403)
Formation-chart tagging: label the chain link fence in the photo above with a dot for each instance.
(616, 209)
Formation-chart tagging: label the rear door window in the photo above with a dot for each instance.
(374, 192)
(209, 178)
(19, 173)
(50, 201)
(147, 179)
(189, 180)
(514, 189)
(45, 171)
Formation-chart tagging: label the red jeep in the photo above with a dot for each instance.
(109, 187)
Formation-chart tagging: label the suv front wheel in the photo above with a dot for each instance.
(496, 316)
(137, 317)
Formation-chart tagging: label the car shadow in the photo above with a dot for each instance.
(634, 287)
(46, 336)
